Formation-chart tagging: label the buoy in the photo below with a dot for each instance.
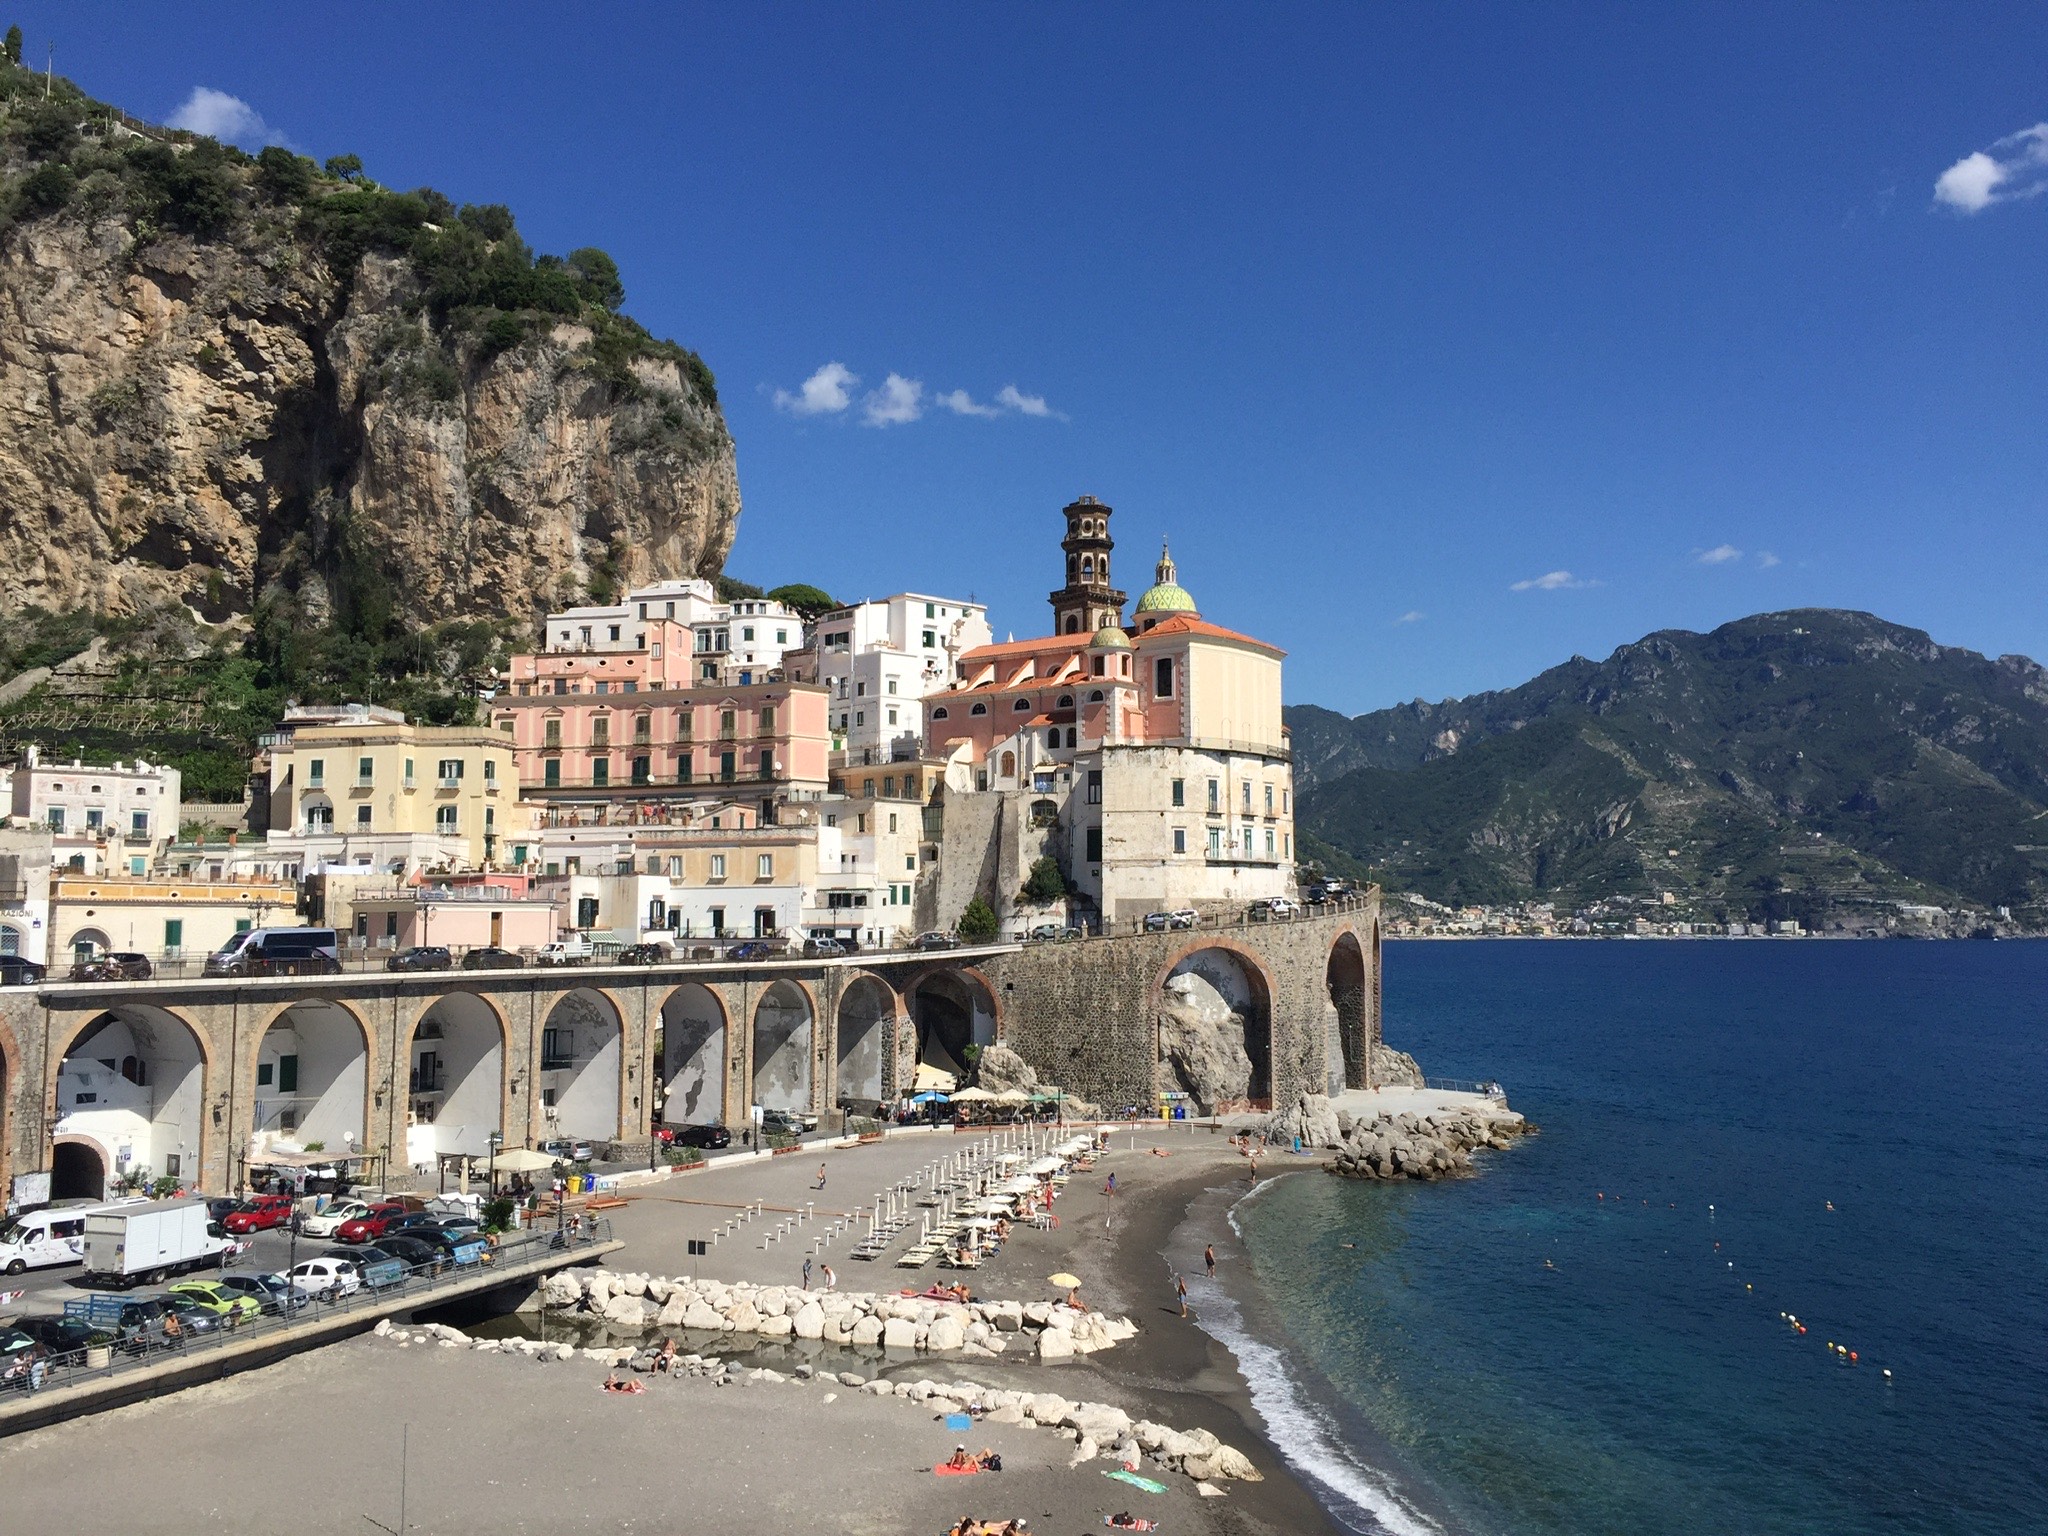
(1887, 1373)
(1831, 1205)
(1731, 1263)
(1710, 1207)
(1747, 1287)
(1801, 1327)
(1852, 1357)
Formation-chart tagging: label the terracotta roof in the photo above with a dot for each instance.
(1026, 647)
(1181, 624)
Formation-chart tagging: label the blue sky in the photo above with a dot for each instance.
(1389, 316)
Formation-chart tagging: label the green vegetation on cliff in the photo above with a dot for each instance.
(1781, 765)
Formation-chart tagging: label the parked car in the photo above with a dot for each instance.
(569, 1150)
(1269, 907)
(644, 954)
(137, 1322)
(1052, 933)
(328, 1222)
(935, 940)
(787, 1121)
(709, 1137)
(328, 1279)
(759, 949)
(372, 1223)
(272, 1293)
(415, 1253)
(827, 946)
(257, 1214)
(277, 952)
(362, 1257)
(192, 1316)
(209, 1296)
(563, 952)
(64, 1335)
(15, 971)
(421, 957)
(488, 957)
(1157, 922)
(117, 965)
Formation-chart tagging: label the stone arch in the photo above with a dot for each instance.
(953, 1007)
(89, 941)
(1346, 975)
(868, 1008)
(785, 1025)
(696, 1032)
(580, 1076)
(454, 1062)
(134, 1081)
(1214, 1005)
(318, 1082)
(80, 1166)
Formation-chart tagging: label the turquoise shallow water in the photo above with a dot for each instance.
(1441, 1376)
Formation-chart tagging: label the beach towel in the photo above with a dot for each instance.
(1135, 1525)
(1136, 1481)
(944, 1470)
(959, 1421)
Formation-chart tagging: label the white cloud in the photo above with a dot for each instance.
(828, 390)
(1720, 554)
(1766, 559)
(2014, 168)
(1412, 616)
(899, 400)
(221, 116)
(1551, 581)
(960, 403)
(1013, 398)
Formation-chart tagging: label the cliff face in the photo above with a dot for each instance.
(224, 420)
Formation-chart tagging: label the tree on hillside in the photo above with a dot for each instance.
(1044, 883)
(804, 598)
(13, 45)
(347, 167)
(978, 922)
(731, 590)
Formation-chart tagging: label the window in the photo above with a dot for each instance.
(601, 730)
(767, 725)
(1052, 738)
(728, 722)
(490, 773)
(931, 640)
(362, 818)
(643, 770)
(1269, 799)
(654, 868)
(94, 819)
(1162, 677)
(1095, 696)
(643, 730)
(929, 609)
(1283, 802)
(138, 824)
(782, 637)
(1020, 706)
(366, 771)
(1247, 787)
(1095, 786)
(1180, 839)
(764, 867)
(892, 685)
(889, 784)
(601, 771)
(316, 772)
(725, 766)
(939, 713)
(556, 1049)
(1215, 842)
(892, 821)
(1215, 795)
(450, 772)
(445, 818)
(1094, 854)
(892, 716)
(860, 717)
(685, 723)
(551, 773)
(685, 769)
(1269, 842)
(174, 933)
(675, 866)
(747, 632)
(288, 1074)
(767, 762)
(718, 866)
(320, 818)
(979, 709)
(1180, 791)
(408, 771)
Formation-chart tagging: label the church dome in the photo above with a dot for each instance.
(1166, 595)
(1110, 638)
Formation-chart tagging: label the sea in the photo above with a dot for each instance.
(1752, 1157)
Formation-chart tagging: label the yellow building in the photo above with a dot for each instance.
(169, 920)
(359, 787)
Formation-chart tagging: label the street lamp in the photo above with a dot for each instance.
(495, 1140)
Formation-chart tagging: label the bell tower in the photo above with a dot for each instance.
(1087, 602)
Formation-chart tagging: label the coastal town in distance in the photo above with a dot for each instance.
(947, 773)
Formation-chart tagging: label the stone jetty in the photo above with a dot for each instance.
(1407, 1145)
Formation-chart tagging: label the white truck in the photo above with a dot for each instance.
(574, 950)
(143, 1244)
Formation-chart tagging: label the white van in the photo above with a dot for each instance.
(43, 1238)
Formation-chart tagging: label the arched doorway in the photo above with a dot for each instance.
(1345, 975)
(867, 1018)
(86, 943)
(78, 1171)
(1216, 1030)
(952, 1010)
(783, 1026)
(455, 1079)
(579, 1066)
(133, 1082)
(693, 1057)
(312, 1070)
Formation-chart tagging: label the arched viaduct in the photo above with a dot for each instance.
(407, 1065)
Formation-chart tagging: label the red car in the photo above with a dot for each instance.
(257, 1214)
(370, 1226)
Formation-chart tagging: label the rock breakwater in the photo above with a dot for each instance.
(1410, 1144)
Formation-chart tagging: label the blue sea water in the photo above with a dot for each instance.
(1516, 1354)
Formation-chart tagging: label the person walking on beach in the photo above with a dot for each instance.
(807, 1273)
(1180, 1286)
(821, 1175)
(1209, 1258)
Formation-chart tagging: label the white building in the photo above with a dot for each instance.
(104, 820)
(25, 859)
(881, 657)
(740, 642)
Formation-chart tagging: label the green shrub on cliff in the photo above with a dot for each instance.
(977, 923)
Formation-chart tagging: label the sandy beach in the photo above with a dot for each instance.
(497, 1441)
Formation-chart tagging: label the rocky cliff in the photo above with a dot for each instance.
(237, 385)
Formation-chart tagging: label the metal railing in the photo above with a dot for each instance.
(417, 1287)
(1492, 1090)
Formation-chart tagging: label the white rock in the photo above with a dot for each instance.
(867, 1331)
(1054, 1345)
(945, 1333)
(899, 1333)
(775, 1327)
(810, 1321)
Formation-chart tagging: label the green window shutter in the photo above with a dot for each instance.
(174, 932)
(287, 1074)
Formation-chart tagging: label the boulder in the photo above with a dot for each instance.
(626, 1312)
(898, 1333)
(1226, 1462)
(672, 1313)
(810, 1321)
(744, 1318)
(776, 1327)
(1084, 1450)
(633, 1285)
(560, 1290)
(945, 1333)
(699, 1315)
(1055, 1345)
(1100, 1422)
(867, 1331)
(1046, 1408)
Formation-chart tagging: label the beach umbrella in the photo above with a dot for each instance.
(1064, 1281)
(933, 1097)
(973, 1096)
(1013, 1096)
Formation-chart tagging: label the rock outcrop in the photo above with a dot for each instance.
(1202, 1043)
(1429, 1146)
(257, 415)
(1001, 1069)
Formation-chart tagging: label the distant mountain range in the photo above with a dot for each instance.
(1780, 765)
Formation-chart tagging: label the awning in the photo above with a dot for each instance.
(974, 1096)
(522, 1160)
(306, 1159)
(929, 1077)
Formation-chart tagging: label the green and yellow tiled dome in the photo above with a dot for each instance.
(1166, 595)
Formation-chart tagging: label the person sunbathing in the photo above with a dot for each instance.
(613, 1384)
(988, 1460)
(963, 1462)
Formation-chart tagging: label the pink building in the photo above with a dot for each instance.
(506, 911)
(595, 727)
